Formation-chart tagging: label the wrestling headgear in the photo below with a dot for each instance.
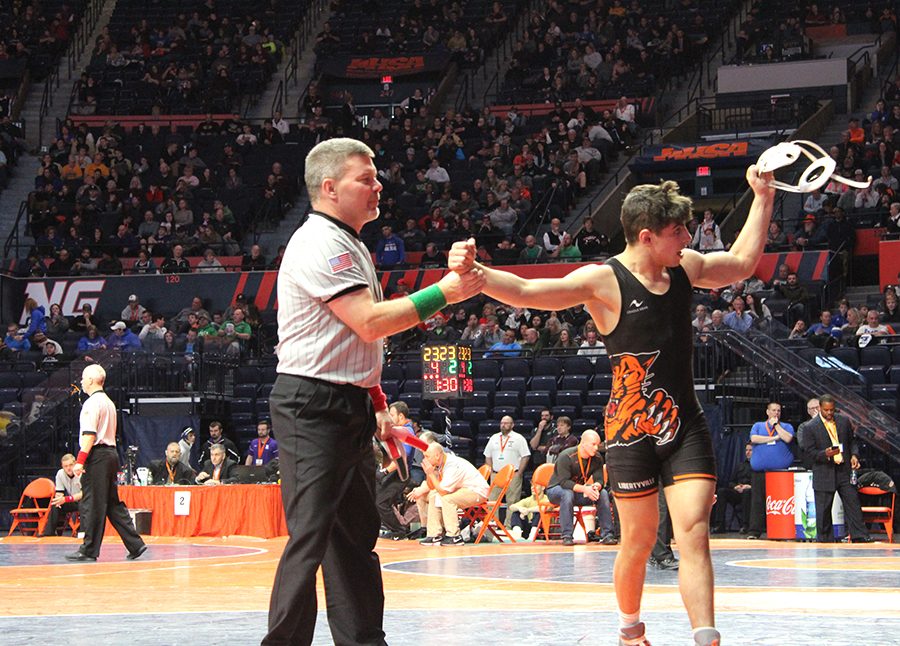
(817, 174)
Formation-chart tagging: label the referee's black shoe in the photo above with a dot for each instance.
(80, 557)
(668, 563)
(137, 554)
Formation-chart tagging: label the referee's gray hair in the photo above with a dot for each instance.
(327, 159)
(217, 448)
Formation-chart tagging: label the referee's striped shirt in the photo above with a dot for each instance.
(325, 259)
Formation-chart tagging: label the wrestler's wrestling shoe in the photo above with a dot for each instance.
(633, 636)
(707, 637)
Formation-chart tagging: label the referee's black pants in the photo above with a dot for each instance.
(327, 466)
(100, 500)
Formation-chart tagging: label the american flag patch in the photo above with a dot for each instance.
(340, 263)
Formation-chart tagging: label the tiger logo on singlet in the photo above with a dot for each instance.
(633, 412)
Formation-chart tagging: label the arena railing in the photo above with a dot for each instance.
(782, 375)
(48, 425)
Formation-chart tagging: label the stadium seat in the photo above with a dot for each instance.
(547, 366)
(485, 384)
(11, 380)
(577, 366)
(412, 370)
(602, 382)
(595, 413)
(32, 379)
(267, 374)
(894, 374)
(488, 427)
(578, 383)
(412, 386)
(568, 411)
(391, 389)
(475, 413)
(502, 411)
(392, 371)
(581, 425)
(508, 398)
(602, 365)
(545, 383)
(8, 395)
(884, 391)
(569, 398)
(462, 428)
(516, 368)
(846, 355)
(538, 398)
(873, 374)
(245, 390)
(242, 405)
(533, 413)
(479, 398)
(486, 368)
(878, 355)
(246, 375)
(597, 397)
(513, 384)
(243, 419)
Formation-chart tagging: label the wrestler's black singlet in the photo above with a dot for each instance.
(654, 424)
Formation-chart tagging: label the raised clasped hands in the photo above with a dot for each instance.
(462, 256)
(464, 280)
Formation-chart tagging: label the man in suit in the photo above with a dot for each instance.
(171, 470)
(828, 449)
(218, 469)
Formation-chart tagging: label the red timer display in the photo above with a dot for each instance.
(447, 371)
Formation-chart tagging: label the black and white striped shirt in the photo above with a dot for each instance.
(98, 418)
(325, 259)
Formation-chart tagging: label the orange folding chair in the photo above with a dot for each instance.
(31, 520)
(882, 515)
(486, 512)
(549, 511)
(73, 519)
(485, 471)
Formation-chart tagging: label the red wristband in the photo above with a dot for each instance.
(82, 457)
(379, 401)
(69, 499)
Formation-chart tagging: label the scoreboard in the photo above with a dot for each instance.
(447, 371)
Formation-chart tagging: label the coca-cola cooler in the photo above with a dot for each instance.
(780, 505)
(791, 507)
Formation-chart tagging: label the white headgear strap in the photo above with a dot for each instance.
(821, 170)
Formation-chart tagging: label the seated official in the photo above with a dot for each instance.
(578, 480)
(736, 492)
(451, 483)
(171, 471)
(68, 494)
(264, 448)
(218, 469)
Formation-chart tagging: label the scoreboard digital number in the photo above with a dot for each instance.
(447, 371)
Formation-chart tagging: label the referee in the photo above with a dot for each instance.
(97, 464)
(327, 403)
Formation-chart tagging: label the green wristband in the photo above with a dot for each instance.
(428, 301)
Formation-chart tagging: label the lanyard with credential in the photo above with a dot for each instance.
(171, 472)
(584, 472)
(261, 448)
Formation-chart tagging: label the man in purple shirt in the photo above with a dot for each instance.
(264, 448)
